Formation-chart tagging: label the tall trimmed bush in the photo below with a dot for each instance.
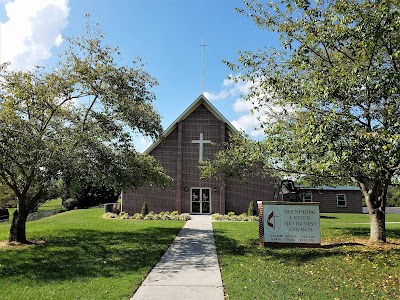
(250, 210)
(145, 209)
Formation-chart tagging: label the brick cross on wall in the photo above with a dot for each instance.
(201, 142)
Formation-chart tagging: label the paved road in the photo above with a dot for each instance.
(389, 210)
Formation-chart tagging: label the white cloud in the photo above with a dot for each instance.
(262, 108)
(213, 97)
(242, 105)
(231, 87)
(142, 143)
(250, 123)
(237, 86)
(32, 29)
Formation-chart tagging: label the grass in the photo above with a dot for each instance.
(343, 268)
(51, 204)
(84, 256)
(48, 205)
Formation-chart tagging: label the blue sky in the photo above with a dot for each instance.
(166, 34)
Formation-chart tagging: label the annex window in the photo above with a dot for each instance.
(307, 197)
(341, 200)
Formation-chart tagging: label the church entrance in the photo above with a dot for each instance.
(200, 200)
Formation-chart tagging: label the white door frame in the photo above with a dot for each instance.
(201, 208)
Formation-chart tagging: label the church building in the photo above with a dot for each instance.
(198, 133)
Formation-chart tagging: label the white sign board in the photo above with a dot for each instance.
(291, 224)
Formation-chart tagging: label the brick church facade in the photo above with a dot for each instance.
(198, 133)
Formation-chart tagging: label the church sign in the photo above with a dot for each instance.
(289, 223)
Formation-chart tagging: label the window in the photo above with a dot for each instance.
(341, 200)
(307, 197)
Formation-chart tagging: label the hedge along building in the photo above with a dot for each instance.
(198, 133)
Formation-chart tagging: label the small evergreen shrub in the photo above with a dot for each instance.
(231, 213)
(250, 210)
(145, 209)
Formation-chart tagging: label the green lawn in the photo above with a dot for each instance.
(343, 268)
(52, 204)
(84, 256)
(48, 205)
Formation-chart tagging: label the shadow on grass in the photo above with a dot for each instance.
(291, 255)
(327, 217)
(365, 231)
(87, 253)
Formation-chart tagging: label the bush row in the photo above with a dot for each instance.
(150, 216)
(232, 217)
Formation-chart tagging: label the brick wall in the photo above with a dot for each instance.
(240, 193)
(328, 202)
(157, 199)
(260, 223)
(179, 157)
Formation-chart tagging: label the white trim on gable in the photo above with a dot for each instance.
(200, 100)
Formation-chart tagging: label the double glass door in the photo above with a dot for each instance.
(200, 200)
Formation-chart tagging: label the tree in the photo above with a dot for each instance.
(329, 96)
(75, 121)
(393, 196)
(7, 197)
(90, 196)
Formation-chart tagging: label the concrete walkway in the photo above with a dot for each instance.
(189, 269)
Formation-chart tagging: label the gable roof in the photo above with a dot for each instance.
(200, 100)
(330, 188)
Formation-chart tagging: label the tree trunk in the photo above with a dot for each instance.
(375, 199)
(18, 224)
(378, 228)
(18, 227)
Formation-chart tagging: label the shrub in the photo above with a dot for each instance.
(110, 216)
(184, 217)
(233, 217)
(145, 209)
(242, 217)
(70, 203)
(124, 215)
(250, 210)
(137, 216)
(217, 217)
(149, 216)
(231, 214)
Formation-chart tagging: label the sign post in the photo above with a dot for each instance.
(289, 223)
